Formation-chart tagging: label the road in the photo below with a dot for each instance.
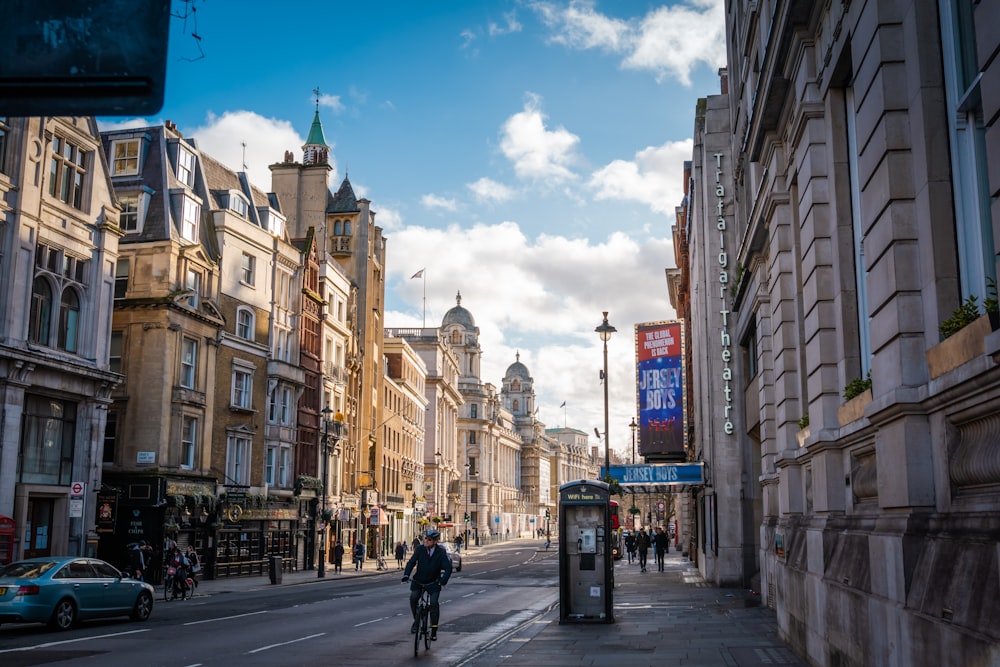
(357, 622)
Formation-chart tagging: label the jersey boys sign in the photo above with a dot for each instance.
(660, 389)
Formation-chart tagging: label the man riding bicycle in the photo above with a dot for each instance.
(433, 569)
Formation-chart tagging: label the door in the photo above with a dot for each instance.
(38, 529)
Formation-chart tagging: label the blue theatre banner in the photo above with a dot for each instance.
(660, 390)
(659, 473)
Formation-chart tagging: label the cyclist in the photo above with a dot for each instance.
(433, 569)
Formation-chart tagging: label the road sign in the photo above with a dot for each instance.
(76, 488)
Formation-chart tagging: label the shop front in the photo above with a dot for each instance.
(249, 532)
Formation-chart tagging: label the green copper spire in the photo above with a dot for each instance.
(316, 137)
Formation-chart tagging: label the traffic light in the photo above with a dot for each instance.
(548, 513)
(466, 517)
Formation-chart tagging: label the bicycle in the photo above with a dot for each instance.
(171, 585)
(380, 563)
(423, 621)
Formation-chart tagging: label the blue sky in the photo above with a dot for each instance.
(528, 154)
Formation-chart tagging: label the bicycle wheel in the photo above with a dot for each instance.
(426, 625)
(168, 585)
(416, 635)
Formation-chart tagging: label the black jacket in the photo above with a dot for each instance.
(430, 568)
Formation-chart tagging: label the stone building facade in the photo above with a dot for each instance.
(59, 236)
(863, 190)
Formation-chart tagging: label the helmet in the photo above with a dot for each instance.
(432, 534)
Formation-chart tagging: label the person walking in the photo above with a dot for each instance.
(433, 569)
(458, 543)
(642, 544)
(338, 557)
(138, 556)
(400, 555)
(661, 542)
(358, 554)
(630, 546)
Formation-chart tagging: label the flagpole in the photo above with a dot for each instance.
(424, 277)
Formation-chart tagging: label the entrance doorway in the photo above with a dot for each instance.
(38, 530)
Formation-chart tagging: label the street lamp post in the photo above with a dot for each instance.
(468, 511)
(634, 427)
(328, 419)
(604, 331)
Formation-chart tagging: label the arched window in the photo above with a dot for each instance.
(41, 312)
(456, 337)
(244, 323)
(69, 320)
(517, 405)
(347, 227)
(515, 386)
(336, 228)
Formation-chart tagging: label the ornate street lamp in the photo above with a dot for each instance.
(635, 428)
(329, 440)
(604, 331)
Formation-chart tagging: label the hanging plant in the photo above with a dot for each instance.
(634, 510)
(423, 521)
(437, 519)
(326, 515)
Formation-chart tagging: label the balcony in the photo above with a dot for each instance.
(282, 370)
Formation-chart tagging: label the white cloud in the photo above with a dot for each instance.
(127, 124)
(538, 153)
(331, 102)
(669, 40)
(266, 140)
(489, 191)
(542, 298)
(511, 24)
(654, 177)
(435, 201)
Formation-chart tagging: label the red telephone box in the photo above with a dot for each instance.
(6, 540)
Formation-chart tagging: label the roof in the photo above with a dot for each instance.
(458, 315)
(344, 200)
(316, 137)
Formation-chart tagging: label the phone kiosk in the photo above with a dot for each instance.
(586, 568)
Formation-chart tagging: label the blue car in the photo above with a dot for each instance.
(63, 590)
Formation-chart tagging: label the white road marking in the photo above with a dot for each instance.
(225, 618)
(293, 641)
(70, 641)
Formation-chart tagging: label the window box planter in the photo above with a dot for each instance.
(854, 409)
(959, 348)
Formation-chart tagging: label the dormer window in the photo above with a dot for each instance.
(238, 205)
(125, 157)
(68, 171)
(185, 166)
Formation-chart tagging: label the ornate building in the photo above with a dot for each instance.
(59, 238)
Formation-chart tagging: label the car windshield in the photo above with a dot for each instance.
(27, 570)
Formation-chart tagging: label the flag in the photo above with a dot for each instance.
(418, 274)
(563, 405)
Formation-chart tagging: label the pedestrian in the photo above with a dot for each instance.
(338, 557)
(642, 544)
(458, 543)
(358, 554)
(630, 546)
(138, 554)
(194, 565)
(416, 541)
(400, 555)
(661, 542)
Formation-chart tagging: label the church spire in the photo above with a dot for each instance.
(315, 150)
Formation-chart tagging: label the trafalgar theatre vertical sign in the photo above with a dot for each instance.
(659, 358)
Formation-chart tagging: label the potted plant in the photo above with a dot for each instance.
(857, 394)
(962, 338)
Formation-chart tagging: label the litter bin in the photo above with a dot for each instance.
(274, 569)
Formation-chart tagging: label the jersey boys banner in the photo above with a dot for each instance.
(660, 390)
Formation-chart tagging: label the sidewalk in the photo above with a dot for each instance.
(661, 618)
(672, 617)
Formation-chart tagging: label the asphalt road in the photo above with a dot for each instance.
(357, 622)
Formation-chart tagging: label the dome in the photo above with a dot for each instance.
(517, 369)
(458, 315)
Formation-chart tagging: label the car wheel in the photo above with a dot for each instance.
(459, 568)
(64, 615)
(143, 607)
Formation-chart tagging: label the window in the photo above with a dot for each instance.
(189, 363)
(472, 467)
(189, 439)
(242, 389)
(4, 132)
(238, 205)
(125, 160)
(129, 218)
(271, 466)
(110, 437)
(121, 277)
(115, 352)
(41, 311)
(238, 460)
(472, 437)
(185, 166)
(69, 320)
(474, 411)
(67, 170)
(244, 323)
(286, 406)
(967, 142)
(47, 442)
(193, 283)
(189, 225)
(247, 269)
